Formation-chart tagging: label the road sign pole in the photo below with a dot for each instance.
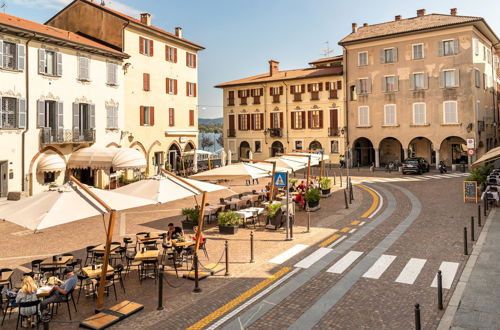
(287, 212)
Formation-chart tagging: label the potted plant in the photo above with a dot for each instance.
(325, 184)
(273, 216)
(312, 198)
(228, 222)
(191, 220)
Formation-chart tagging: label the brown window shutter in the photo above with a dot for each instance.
(166, 52)
(292, 89)
(302, 88)
(261, 121)
(191, 117)
(145, 81)
(309, 87)
(151, 48)
(151, 116)
(239, 93)
(141, 45)
(281, 120)
(271, 124)
(167, 85)
(339, 84)
(271, 91)
(261, 92)
(187, 88)
(334, 119)
(187, 59)
(320, 86)
(321, 119)
(303, 119)
(175, 86)
(281, 90)
(293, 119)
(250, 123)
(239, 122)
(141, 115)
(309, 119)
(194, 89)
(327, 86)
(194, 61)
(175, 55)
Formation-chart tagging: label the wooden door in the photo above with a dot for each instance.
(4, 179)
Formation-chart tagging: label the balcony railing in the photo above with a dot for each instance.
(49, 135)
(231, 133)
(333, 131)
(275, 132)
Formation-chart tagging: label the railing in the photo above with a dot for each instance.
(230, 101)
(275, 132)
(333, 131)
(231, 133)
(49, 135)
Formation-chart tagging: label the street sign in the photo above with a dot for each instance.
(470, 144)
(470, 152)
(470, 191)
(280, 179)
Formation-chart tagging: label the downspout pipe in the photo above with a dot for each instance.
(287, 114)
(26, 128)
(265, 113)
(346, 103)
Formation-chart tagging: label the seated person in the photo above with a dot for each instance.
(196, 234)
(299, 199)
(302, 186)
(174, 232)
(59, 292)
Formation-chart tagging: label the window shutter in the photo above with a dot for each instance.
(412, 81)
(187, 59)
(441, 79)
(92, 116)
(309, 87)
(175, 55)
(151, 52)
(293, 119)
(1, 59)
(21, 113)
(141, 45)
(141, 115)
(302, 88)
(303, 119)
(382, 56)
(455, 46)
(358, 86)
(384, 85)
(173, 117)
(426, 80)
(320, 86)
(41, 113)
(339, 84)
(250, 123)
(441, 48)
(328, 85)
(167, 85)
(175, 86)
(292, 89)
(239, 122)
(194, 60)
(320, 118)
(109, 119)
(59, 64)
(334, 119)
(457, 77)
(166, 52)
(281, 120)
(60, 118)
(369, 85)
(20, 57)
(76, 116)
(281, 90)
(151, 116)
(0, 114)
(395, 53)
(271, 91)
(194, 89)
(145, 81)
(41, 61)
(261, 116)
(115, 117)
(187, 88)
(396, 83)
(309, 119)
(191, 117)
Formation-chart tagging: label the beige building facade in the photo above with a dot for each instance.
(283, 111)
(421, 87)
(161, 79)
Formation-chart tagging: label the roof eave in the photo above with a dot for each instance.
(181, 41)
(223, 85)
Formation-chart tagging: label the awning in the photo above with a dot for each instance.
(491, 155)
(51, 162)
(128, 158)
(105, 158)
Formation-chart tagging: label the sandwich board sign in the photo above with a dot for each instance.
(280, 179)
(470, 191)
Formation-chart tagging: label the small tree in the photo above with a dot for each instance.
(206, 142)
(220, 139)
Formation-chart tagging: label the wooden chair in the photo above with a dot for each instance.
(28, 304)
(66, 299)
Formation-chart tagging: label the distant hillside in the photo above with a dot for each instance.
(206, 125)
(210, 121)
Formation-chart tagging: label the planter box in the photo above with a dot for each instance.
(187, 225)
(228, 230)
(313, 209)
(326, 192)
(312, 204)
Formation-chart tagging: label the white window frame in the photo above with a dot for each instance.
(413, 76)
(393, 57)
(190, 89)
(171, 53)
(147, 115)
(395, 89)
(454, 78)
(444, 112)
(295, 144)
(363, 92)
(171, 86)
(359, 58)
(14, 56)
(414, 113)
(452, 47)
(395, 123)
(190, 60)
(413, 51)
(14, 113)
(367, 116)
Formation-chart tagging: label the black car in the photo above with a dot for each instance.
(415, 165)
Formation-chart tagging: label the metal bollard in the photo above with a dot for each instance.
(45, 318)
(251, 247)
(345, 198)
(196, 279)
(472, 238)
(308, 220)
(352, 193)
(227, 258)
(440, 290)
(417, 317)
(291, 227)
(334, 179)
(340, 179)
(160, 288)
(479, 215)
(466, 251)
(485, 205)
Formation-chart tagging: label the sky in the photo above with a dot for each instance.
(240, 37)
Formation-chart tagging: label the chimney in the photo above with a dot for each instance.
(146, 19)
(453, 11)
(397, 18)
(420, 12)
(273, 67)
(354, 27)
(365, 24)
(178, 32)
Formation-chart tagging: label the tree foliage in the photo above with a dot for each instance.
(206, 142)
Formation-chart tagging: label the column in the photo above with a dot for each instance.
(377, 157)
(437, 159)
(405, 152)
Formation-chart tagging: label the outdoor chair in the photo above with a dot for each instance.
(97, 257)
(36, 267)
(146, 267)
(117, 276)
(128, 241)
(90, 254)
(28, 304)
(138, 241)
(203, 246)
(110, 282)
(131, 262)
(117, 254)
(169, 253)
(66, 299)
(84, 283)
(74, 264)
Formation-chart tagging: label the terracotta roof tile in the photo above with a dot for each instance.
(21, 23)
(407, 25)
(286, 75)
(326, 59)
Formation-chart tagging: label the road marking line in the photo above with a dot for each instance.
(377, 201)
(352, 230)
(278, 277)
(355, 222)
(337, 242)
(448, 271)
(313, 257)
(329, 240)
(411, 271)
(362, 223)
(449, 175)
(428, 176)
(340, 266)
(345, 229)
(282, 257)
(379, 267)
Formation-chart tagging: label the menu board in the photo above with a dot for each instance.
(470, 191)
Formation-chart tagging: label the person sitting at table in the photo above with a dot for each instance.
(174, 232)
(196, 234)
(58, 292)
(302, 186)
(299, 199)
(27, 293)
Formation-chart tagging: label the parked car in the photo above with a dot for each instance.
(415, 165)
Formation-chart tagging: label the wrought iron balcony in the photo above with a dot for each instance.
(275, 132)
(333, 131)
(231, 133)
(49, 135)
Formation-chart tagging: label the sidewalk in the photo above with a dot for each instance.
(478, 305)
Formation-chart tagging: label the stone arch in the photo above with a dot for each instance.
(422, 146)
(191, 144)
(138, 144)
(276, 148)
(315, 145)
(390, 149)
(173, 155)
(363, 152)
(156, 143)
(244, 150)
(113, 144)
(453, 150)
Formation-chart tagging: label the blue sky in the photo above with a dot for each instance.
(241, 36)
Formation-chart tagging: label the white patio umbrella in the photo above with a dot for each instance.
(65, 204)
(269, 167)
(166, 188)
(291, 162)
(196, 152)
(234, 171)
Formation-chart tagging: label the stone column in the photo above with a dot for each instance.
(377, 157)
(437, 159)
(405, 153)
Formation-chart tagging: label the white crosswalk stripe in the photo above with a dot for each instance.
(282, 257)
(410, 178)
(411, 271)
(340, 266)
(379, 267)
(312, 258)
(448, 271)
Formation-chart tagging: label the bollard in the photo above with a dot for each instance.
(440, 289)
(340, 179)
(291, 227)
(472, 238)
(350, 194)
(160, 288)
(466, 251)
(45, 318)
(196, 279)
(227, 258)
(334, 179)
(251, 247)
(479, 215)
(485, 205)
(345, 198)
(417, 317)
(308, 220)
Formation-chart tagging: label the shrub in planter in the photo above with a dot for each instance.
(325, 184)
(191, 220)
(228, 222)
(272, 209)
(312, 197)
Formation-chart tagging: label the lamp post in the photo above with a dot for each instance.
(343, 132)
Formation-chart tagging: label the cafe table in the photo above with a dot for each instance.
(183, 244)
(97, 271)
(5, 277)
(151, 237)
(102, 248)
(59, 262)
(147, 255)
(44, 291)
(253, 198)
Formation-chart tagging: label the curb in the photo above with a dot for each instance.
(456, 298)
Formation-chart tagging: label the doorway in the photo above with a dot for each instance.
(4, 178)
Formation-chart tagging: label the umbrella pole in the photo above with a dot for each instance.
(271, 195)
(209, 165)
(321, 168)
(102, 281)
(308, 172)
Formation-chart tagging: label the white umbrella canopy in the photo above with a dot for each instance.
(291, 162)
(234, 171)
(166, 188)
(269, 167)
(65, 204)
(197, 152)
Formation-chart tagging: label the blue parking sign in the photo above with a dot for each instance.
(280, 179)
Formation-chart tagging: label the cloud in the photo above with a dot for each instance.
(123, 8)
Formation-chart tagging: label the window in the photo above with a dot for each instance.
(448, 47)
(477, 78)
(9, 55)
(419, 113)
(243, 122)
(171, 86)
(418, 81)
(258, 146)
(171, 54)
(298, 145)
(353, 94)
(475, 43)
(191, 89)
(83, 68)
(191, 117)
(112, 117)
(256, 93)
(147, 115)
(363, 116)
(417, 51)
(449, 78)
(389, 55)
(49, 177)
(243, 94)
(334, 146)
(112, 77)
(146, 86)
(9, 113)
(191, 60)
(390, 114)
(298, 119)
(478, 110)
(316, 119)
(276, 119)
(489, 55)
(230, 98)
(390, 84)
(364, 86)
(314, 89)
(362, 58)
(146, 46)
(171, 117)
(258, 120)
(49, 62)
(450, 115)
(333, 88)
